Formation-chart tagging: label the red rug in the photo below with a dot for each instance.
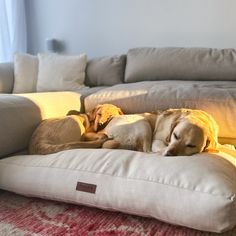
(31, 216)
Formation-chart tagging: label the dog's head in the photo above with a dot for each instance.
(102, 114)
(193, 132)
(186, 139)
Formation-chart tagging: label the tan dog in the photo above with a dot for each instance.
(184, 132)
(101, 115)
(57, 134)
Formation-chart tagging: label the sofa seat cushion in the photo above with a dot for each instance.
(215, 97)
(166, 188)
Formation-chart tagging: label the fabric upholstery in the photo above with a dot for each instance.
(25, 73)
(180, 64)
(105, 71)
(61, 73)
(6, 77)
(166, 188)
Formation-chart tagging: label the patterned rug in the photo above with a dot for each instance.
(31, 216)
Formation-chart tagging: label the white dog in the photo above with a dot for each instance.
(132, 132)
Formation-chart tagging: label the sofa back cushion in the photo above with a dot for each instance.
(105, 71)
(6, 77)
(180, 64)
(25, 73)
(61, 72)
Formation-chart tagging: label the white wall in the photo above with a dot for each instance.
(105, 27)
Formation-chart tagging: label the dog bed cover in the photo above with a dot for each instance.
(196, 191)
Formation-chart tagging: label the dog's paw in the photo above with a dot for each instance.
(102, 136)
(158, 146)
(99, 142)
(111, 144)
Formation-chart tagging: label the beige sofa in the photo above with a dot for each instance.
(197, 191)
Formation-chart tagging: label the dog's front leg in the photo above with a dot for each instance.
(158, 146)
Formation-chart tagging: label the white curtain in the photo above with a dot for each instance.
(12, 28)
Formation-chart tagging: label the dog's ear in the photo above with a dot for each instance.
(73, 112)
(92, 114)
(173, 125)
(173, 115)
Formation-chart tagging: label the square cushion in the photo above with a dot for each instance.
(61, 73)
(25, 73)
(196, 191)
(105, 71)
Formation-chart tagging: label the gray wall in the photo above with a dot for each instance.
(105, 27)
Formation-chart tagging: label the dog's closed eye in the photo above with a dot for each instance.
(190, 145)
(176, 136)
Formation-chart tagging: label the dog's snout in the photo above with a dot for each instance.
(170, 152)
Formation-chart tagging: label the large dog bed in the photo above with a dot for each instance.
(197, 191)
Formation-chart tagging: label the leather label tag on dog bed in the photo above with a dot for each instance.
(85, 187)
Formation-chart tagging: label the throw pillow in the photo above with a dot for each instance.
(61, 73)
(25, 73)
(105, 71)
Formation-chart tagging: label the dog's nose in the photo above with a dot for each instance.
(170, 153)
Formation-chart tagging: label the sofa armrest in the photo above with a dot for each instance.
(6, 77)
(21, 113)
